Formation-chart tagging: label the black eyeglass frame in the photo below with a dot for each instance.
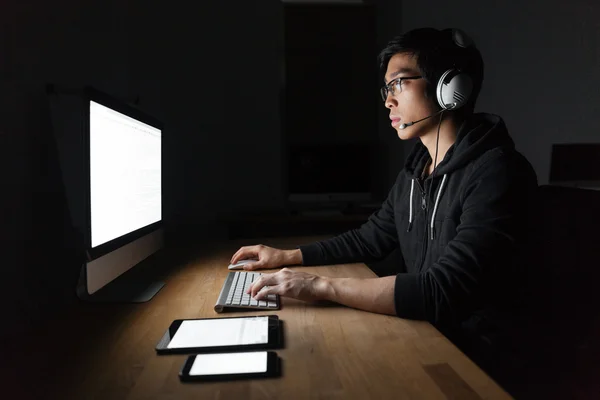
(391, 86)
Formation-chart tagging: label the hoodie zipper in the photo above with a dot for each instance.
(424, 207)
(423, 199)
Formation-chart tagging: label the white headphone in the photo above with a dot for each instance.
(454, 86)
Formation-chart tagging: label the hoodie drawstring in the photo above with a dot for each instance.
(410, 205)
(437, 200)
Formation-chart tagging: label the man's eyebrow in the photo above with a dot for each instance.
(403, 70)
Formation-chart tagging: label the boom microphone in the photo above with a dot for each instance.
(403, 126)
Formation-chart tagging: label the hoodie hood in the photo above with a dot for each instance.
(478, 134)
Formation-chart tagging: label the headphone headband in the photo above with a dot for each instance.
(461, 39)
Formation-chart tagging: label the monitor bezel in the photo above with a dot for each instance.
(92, 94)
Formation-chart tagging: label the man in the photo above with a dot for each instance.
(457, 211)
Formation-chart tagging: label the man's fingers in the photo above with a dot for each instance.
(265, 291)
(235, 255)
(243, 254)
(265, 280)
(256, 286)
(253, 266)
(240, 255)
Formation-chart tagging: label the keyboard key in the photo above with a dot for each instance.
(237, 296)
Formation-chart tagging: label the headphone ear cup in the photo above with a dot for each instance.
(454, 89)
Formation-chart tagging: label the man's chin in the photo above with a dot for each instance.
(404, 134)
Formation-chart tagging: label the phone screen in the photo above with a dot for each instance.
(221, 332)
(229, 363)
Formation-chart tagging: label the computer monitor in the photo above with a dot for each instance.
(116, 197)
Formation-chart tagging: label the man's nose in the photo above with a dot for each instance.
(390, 101)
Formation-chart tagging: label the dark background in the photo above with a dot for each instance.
(219, 74)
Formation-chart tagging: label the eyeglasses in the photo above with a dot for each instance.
(395, 86)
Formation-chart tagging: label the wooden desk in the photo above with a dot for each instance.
(331, 351)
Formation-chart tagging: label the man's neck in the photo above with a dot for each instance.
(448, 131)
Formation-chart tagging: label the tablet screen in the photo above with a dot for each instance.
(221, 332)
(232, 363)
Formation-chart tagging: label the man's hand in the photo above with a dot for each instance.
(288, 283)
(370, 294)
(267, 257)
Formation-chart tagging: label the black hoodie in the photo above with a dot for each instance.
(459, 231)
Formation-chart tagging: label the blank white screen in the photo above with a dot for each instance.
(125, 174)
(231, 363)
(221, 332)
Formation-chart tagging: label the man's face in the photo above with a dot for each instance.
(411, 103)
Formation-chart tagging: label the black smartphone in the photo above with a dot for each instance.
(220, 335)
(229, 366)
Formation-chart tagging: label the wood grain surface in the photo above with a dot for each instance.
(331, 351)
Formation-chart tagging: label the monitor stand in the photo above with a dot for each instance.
(133, 286)
(127, 274)
(121, 292)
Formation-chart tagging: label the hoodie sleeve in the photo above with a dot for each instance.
(374, 240)
(495, 203)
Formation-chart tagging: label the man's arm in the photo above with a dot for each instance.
(292, 257)
(374, 295)
(479, 255)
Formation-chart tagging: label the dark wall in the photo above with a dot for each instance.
(210, 70)
(330, 68)
(330, 93)
(392, 150)
(353, 56)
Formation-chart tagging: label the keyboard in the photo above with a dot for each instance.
(233, 293)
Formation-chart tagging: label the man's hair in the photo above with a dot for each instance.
(435, 53)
